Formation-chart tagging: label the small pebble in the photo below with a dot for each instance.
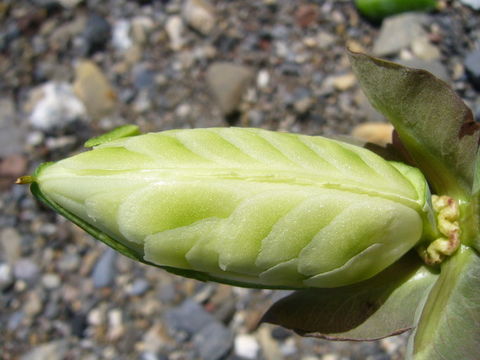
(175, 30)
(94, 90)
(228, 83)
(472, 66)
(263, 78)
(189, 317)
(139, 287)
(96, 34)
(344, 82)
(57, 108)
(376, 133)
(289, 348)
(6, 278)
(246, 346)
(51, 281)
(33, 304)
(10, 243)
(200, 15)
(213, 341)
(25, 269)
(104, 271)
(121, 35)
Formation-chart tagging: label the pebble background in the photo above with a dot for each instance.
(72, 69)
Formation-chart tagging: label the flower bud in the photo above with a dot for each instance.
(244, 206)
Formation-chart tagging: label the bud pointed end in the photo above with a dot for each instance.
(23, 180)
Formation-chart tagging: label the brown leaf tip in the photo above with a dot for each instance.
(469, 127)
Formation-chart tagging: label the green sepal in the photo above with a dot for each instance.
(117, 133)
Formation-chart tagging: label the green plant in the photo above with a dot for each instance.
(379, 9)
(370, 251)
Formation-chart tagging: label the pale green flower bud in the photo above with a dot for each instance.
(244, 206)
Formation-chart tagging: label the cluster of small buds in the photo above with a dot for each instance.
(448, 213)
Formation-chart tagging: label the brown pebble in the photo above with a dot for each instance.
(376, 133)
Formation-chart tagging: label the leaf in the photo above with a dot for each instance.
(449, 327)
(379, 9)
(382, 306)
(433, 123)
(118, 133)
(472, 213)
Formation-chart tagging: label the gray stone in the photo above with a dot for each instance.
(10, 243)
(139, 287)
(189, 317)
(25, 269)
(213, 341)
(255, 118)
(96, 34)
(280, 333)
(167, 293)
(228, 82)
(398, 32)
(10, 131)
(143, 76)
(69, 262)
(472, 66)
(15, 320)
(55, 350)
(435, 67)
(302, 100)
(104, 271)
(51, 281)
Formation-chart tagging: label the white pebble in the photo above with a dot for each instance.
(246, 346)
(51, 281)
(58, 107)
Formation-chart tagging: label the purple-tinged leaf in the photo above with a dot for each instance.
(433, 123)
(379, 307)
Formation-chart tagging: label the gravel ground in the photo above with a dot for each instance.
(72, 69)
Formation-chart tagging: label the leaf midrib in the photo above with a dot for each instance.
(276, 176)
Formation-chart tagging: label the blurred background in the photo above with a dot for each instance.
(72, 69)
